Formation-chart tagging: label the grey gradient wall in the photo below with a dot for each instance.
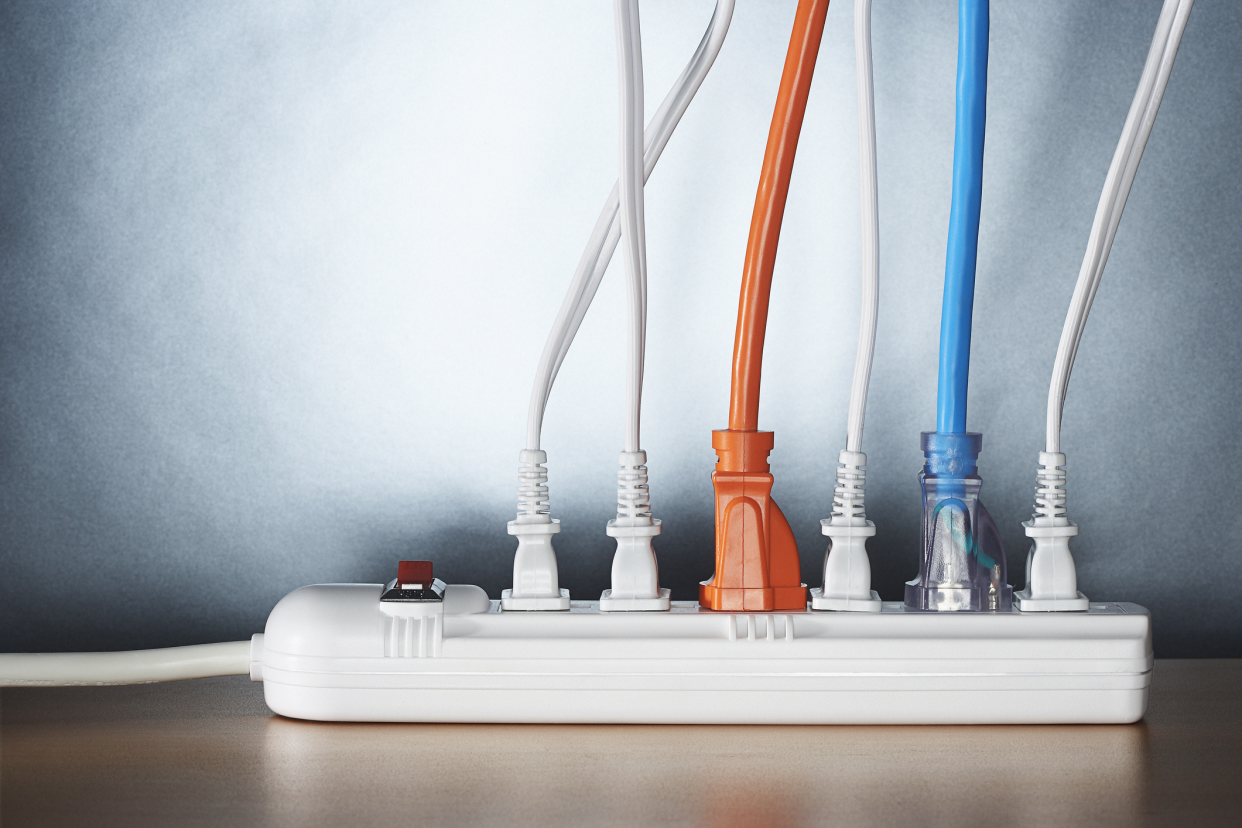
(276, 276)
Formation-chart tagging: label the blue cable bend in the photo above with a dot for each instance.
(963, 248)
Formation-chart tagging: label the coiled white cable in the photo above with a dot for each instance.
(870, 213)
(607, 232)
(132, 667)
(1139, 121)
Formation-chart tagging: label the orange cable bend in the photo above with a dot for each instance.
(765, 224)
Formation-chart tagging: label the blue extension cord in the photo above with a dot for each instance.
(959, 270)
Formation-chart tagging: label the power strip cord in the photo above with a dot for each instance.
(130, 667)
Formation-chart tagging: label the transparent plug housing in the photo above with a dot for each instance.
(962, 559)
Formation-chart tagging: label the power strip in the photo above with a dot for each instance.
(335, 652)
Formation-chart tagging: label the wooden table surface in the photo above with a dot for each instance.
(209, 752)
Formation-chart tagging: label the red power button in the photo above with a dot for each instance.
(411, 573)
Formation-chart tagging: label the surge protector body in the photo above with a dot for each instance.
(335, 652)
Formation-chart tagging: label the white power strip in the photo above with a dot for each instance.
(335, 652)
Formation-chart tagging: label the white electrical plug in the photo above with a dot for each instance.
(847, 569)
(1051, 578)
(535, 581)
(635, 573)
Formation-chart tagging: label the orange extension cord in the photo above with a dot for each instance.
(765, 224)
(757, 564)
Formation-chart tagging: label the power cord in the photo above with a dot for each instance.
(1051, 577)
(536, 584)
(131, 667)
(847, 568)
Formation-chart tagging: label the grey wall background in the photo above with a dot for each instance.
(276, 276)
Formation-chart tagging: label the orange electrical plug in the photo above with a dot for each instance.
(756, 557)
(757, 566)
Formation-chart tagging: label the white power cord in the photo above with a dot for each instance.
(1051, 577)
(635, 574)
(607, 232)
(1117, 185)
(133, 667)
(632, 209)
(847, 569)
(536, 584)
(870, 213)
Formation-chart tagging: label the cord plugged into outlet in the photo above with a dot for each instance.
(757, 565)
(1051, 577)
(635, 573)
(961, 558)
(847, 569)
(536, 585)
(756, 554)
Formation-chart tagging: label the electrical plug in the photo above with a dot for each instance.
(756, 555)
(535, 582)
(847, 569)
(1051, 578)
(635, 573)
(962, 559)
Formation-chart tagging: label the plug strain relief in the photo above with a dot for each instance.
(951, 455)
(533, 487)
(848, 497)
(742, 451)
(633, 495)
(1050, 490)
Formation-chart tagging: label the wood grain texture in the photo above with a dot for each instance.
(209, 752)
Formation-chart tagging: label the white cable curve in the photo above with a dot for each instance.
(868, 197)
(607, 232)
(132, 667)
(1146, 123)
(1121, 172)
(633, 223)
